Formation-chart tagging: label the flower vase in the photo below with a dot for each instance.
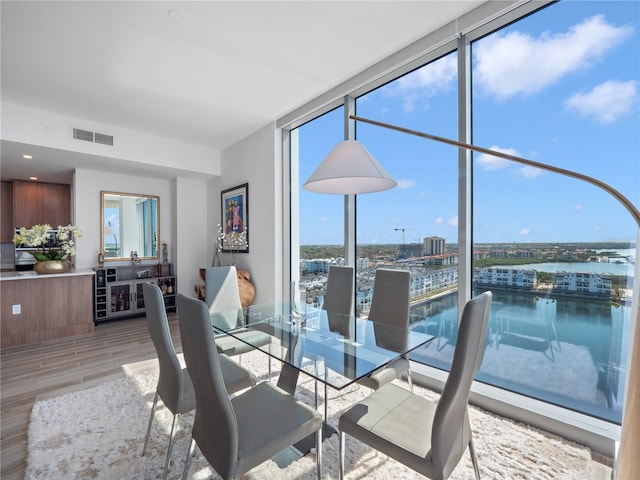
(52, 266)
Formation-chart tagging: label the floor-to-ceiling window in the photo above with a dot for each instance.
(559, 86)
(415, 225)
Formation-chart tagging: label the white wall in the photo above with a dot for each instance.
(256, 160)
(89, 184)
(194, 214)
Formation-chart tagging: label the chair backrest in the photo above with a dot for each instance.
(390, 306)
(339, 295)
(451, 431)
(338, 299)
(222, 295)
(215, 427)
(171, 381)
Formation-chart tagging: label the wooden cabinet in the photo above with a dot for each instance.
(56, 204)
(37, 203)
(51, 306)
(27, 204)
(6, 215)
(118, 290)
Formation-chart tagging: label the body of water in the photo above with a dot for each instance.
(569, 352)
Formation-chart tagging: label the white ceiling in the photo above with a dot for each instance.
(204, 72)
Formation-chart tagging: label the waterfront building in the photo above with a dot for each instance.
(505, 277)
(580, 282)
(426, 281)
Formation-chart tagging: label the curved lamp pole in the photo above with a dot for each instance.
(626, 461)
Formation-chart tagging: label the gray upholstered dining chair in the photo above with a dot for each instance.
(223, 298)
(338, 299)
(339, 294)
(237, 434)
(175, 387)
(390, 306)
(426, 436)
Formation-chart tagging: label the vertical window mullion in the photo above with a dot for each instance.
(465, 180)
(349, 200)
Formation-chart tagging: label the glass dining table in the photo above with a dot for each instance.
(347, 347)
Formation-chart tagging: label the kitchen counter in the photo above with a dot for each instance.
(33, 275)
(37, 307)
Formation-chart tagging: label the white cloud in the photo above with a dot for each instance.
(418, 86)
(578, 207)
(524, 231)
(607, 101)
(439, 221)
(404, 184)
(489, 162)
(516, 63)
(453, 221)
(530, 172)
(323, 219)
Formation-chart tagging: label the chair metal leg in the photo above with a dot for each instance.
(153, 413)
(172, 438)
(315, 385)
(187, 461)
(326, 402)
(341, 440)
(474, 460)
(409, 379)
(319, 451)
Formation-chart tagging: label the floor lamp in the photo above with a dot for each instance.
(350, 169)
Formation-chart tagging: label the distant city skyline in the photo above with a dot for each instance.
(560, 87)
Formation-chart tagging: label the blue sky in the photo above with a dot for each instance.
(559, 87)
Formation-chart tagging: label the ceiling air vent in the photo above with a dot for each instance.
(85, 135)
(104, 139)
(88, 136)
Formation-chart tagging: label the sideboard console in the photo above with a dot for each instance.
(118, 290)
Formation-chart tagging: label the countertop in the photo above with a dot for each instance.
(31, 275)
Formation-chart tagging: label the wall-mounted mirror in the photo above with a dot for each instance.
(129, 223)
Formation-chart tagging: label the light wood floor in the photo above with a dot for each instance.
(34, 372)
(43, 370)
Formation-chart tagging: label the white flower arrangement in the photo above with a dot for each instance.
(40, 237)
(232, 241)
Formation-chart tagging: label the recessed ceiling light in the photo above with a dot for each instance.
(26, 156)
(33, 178)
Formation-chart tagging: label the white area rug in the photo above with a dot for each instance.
(99, 433)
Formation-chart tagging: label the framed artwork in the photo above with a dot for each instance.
(235, 219)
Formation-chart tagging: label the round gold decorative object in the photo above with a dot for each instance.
(52, 266)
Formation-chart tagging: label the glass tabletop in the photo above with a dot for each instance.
(333, 348)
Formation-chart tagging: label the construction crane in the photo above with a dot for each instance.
(400, 230)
